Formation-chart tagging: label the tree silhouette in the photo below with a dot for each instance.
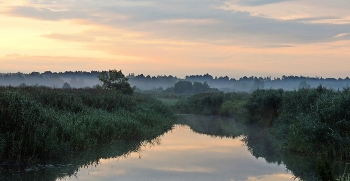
(115, 80)
(200, 87)
(66, 86)
(182, 86)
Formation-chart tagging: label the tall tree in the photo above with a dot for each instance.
(115, 80)
(200, 87)
(182, 86)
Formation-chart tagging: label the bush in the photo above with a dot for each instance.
(229, 104)
(263, 106)
(309, 122)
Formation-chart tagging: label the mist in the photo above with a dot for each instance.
(83, 79)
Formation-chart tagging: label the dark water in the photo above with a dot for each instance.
(197, 148)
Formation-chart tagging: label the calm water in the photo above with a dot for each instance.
(183, 154)
(198, 148)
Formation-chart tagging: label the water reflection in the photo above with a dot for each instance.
(186, 155)
(198, 148)
(258, 144)
(72, 164)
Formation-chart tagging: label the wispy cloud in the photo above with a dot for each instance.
(343, 36)
(259, 2)
(189, 20)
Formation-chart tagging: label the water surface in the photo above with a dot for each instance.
(183, 154)
(197, 148)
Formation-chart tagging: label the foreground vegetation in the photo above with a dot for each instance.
(39, 124)
(305, 121)
(310, 122)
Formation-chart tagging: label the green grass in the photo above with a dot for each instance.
(169, 101)
(40, 123)
(224, 104)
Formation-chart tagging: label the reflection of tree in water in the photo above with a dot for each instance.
(259, 145)
(256, 140)
(71, 164)
(303, 167)
(212, 125)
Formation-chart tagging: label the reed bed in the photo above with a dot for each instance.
(40, 123)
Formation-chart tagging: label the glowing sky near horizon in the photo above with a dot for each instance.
(182, 37)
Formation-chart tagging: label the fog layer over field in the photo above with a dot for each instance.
(81, 79)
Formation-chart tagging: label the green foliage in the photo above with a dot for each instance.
(263, 106)
(115, 80)
(229, 104)
(200, 87)
(309, 121)
(313, 122)
(182, 87)
(205, 103)
(39, 123)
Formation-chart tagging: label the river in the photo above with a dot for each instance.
(197, 148)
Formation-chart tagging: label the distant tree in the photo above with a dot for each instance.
(182, 86)
(169, 90)
(74, 82)
(160, 89)
(115, 80)
(258, 84)
(303, 85)
(35, 74)
(66, 86)
(22, 85)
(200, 87)
(97, 86)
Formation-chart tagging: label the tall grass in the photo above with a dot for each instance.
(40, 123)
(223, 104)
(308, 121)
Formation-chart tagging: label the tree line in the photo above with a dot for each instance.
(81, 79)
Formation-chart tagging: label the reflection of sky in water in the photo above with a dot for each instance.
(185, 155)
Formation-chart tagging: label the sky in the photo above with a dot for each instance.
(177, 37)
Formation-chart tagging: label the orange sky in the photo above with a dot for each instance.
(233, 37)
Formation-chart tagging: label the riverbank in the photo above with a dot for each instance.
(39, 124)
(309, 122)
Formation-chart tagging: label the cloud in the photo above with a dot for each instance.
(343, 36)
(191, 20)
(39, 13)
(296, 9)
(277, 46)
(259, 2)
(28, 63)
(69, 37)
(281, 177)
